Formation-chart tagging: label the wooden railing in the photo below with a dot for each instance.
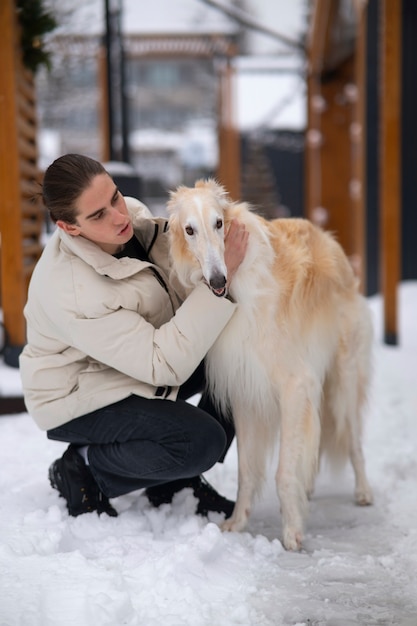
(21, 211)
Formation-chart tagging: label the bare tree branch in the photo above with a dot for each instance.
(247, 20)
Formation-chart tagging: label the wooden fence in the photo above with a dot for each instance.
(21, 211)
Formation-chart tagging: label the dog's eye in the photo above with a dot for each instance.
(189, 230)
(219, 224)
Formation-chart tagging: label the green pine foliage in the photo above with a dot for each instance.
(35, 22)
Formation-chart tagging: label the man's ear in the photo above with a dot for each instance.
(70, 229)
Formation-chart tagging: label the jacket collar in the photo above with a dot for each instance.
(145, 226)
(102, 262)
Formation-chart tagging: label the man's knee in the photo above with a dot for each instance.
(209, 446)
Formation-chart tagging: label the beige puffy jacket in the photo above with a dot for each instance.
(100, 329)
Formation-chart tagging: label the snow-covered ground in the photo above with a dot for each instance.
(168, 567)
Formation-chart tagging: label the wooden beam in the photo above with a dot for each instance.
(317, 43)
(358, 144)
(319, 35)
(334, 211)
(331, 107)
(13, 292)
(20, 207)
(390, 162)
(228, 171)
(104, 105)
(335, 147)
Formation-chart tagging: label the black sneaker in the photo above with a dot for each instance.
(207, 496)
(73, 479)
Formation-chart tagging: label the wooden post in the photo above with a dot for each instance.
(330, 111)
(12, 271)
(21, 211)
(104, 105)
(335, 146)
(318, 38)
(390, 162)
(228, 172)
(358, 142)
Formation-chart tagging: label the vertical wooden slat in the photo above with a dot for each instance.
(358, 141)
(318, 38)
(12, 283)
(330, 110)
(390, 162)
(335, 156)
(21, 212)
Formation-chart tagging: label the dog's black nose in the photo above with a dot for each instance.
(217, 281)
(218, 284)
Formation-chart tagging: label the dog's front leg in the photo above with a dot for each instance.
(298, 457)
(250, 470)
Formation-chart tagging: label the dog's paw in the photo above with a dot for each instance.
(233, 525)
(309, 493)
(292, 539)
(363, 496)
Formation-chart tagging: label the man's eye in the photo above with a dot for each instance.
(189, 230)
(99, 215)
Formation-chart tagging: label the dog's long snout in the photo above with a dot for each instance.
(218, 283)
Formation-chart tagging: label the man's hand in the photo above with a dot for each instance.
(236, 243)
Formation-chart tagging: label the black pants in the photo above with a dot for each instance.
(137, 442)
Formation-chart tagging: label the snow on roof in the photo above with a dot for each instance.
(179, 17)
(196, 145)
(158, 17)
(270, 92)
(151, 139)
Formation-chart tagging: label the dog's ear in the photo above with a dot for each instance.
(174, 226)
(216, 189)
(173, 199)
(170, 203)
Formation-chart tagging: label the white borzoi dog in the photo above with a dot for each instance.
(294, 360)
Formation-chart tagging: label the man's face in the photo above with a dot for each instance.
(102, 215)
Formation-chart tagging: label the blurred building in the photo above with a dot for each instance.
(173, 55)
(170, 88)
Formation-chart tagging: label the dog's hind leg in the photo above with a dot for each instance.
(361, 358)
(346, 396)
(363, 491)
(298, 456)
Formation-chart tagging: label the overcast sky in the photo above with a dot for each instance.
(284, 16)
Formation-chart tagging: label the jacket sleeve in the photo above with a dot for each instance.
(164, 356)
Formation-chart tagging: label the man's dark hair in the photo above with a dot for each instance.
(64, 181)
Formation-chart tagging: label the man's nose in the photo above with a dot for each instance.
(118, 216)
